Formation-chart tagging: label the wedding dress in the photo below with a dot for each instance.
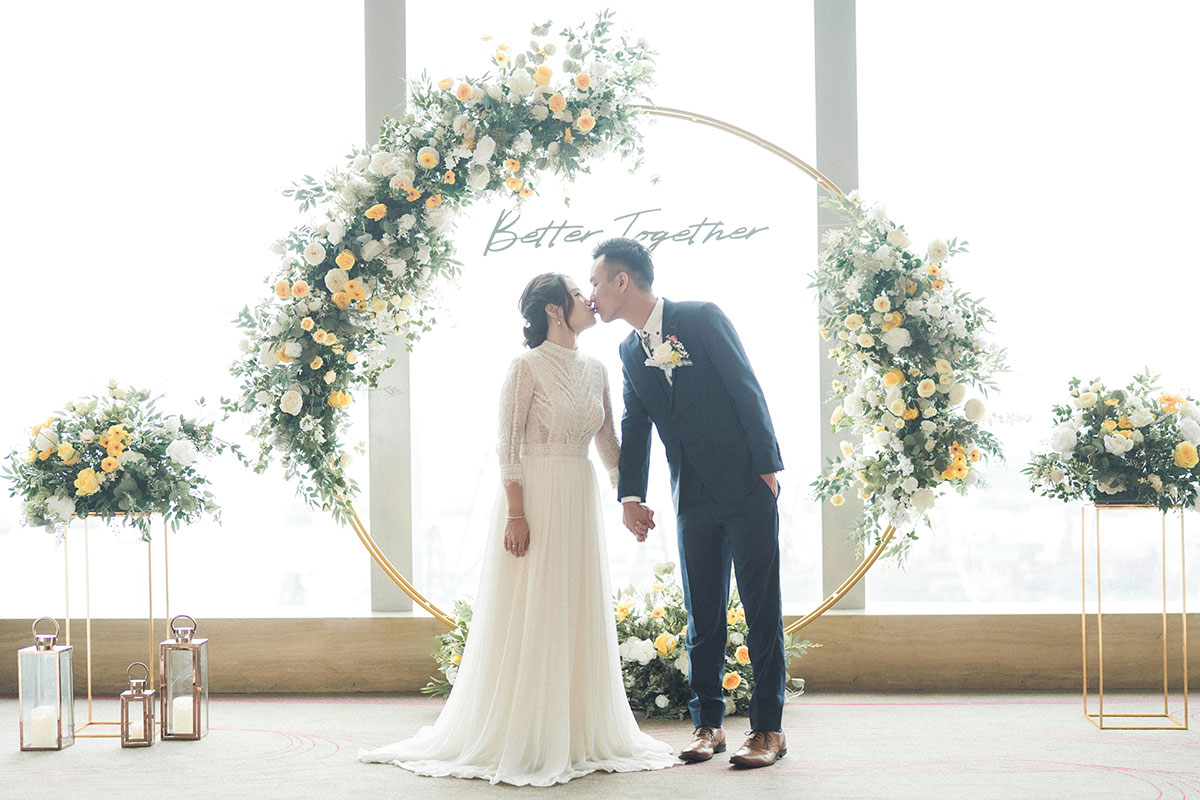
(539, 698)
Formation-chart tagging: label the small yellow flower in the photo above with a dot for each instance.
(658, 587)
(355, 290)
(583, 81)
(514, 183)
(307, 323)
(893, 377)
(557, 102)
(846, 448)
(501, 57)
(412, 195)
(281, 355)
(1109, 424)
(45, 454)
(933, 270)
(445, 84)
(345, 259)
(463, 92)
(300, 289)
(742, 655)
(1170, 403)
(659, 612)
(525, 192)
(567, 135)
(623, 610)
(376, 212)
(340, 299)
(837, 500)
(1185, 455)
(512, 165)
(956, 448)
(910, 288)
(974, 455)
(33, 454)
(541, 75)
(283, 290)
(1112, 401)
(731, 681)
(110, 464)
(863, 494)
(449, 177)
(938, 285)
(585, 122)
(434, 201)
(456, 658)
(910, 413)
(316, 363)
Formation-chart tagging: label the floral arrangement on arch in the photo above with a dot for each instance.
(367, 265)
(910, 347)
(112, 454)
(651, 631)
(1132, 445)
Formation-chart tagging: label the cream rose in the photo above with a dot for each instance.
(291, 402)
(335, 280)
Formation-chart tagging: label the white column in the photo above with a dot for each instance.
(837, 158)
(389, 412)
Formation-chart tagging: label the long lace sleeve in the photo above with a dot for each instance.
(515, 400)
(606, 438)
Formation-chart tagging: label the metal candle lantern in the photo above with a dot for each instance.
(183, 672)
(46, 692)
(137, 710)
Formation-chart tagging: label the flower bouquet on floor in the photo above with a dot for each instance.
(114, 454)
(1135, 445)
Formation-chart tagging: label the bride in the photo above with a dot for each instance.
(539, 698)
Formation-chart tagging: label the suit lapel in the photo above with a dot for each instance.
(636, 357)
(668, 329)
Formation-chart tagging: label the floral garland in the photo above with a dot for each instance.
(1121, 445)
(907, 346)
(368, 266)
(114, 454)
(651, 627)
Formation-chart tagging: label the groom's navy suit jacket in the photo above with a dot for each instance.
(712, 418)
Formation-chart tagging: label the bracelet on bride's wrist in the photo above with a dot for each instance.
(520, 517)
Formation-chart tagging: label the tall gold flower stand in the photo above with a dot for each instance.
(81, 731)
(1150, 720)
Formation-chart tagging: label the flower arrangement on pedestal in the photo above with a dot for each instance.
(909, 348)
(1134, 445)
(114, 454)
(651, 636)
(367, 265)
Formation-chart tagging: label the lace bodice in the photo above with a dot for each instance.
(555, 402)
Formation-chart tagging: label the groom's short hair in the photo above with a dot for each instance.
(629, 256)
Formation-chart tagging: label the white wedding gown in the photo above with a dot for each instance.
(539, 698)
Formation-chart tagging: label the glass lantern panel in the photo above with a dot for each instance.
(40, 698)
(204, 689)
(66, 692)
(178, 690)
(136, 714)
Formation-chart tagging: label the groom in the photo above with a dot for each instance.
(721, 448)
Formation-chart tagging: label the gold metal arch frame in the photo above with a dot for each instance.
(829, 602)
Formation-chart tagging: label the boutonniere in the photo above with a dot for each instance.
(669, 355)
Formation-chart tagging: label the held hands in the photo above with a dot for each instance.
(516, 537)
(639, 519)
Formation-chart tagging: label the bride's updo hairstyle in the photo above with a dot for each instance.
(547, 288)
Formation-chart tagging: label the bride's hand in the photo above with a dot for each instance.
(516, 537)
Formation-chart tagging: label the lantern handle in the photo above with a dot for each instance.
(51, 619)
(137, 664)
(182, 616)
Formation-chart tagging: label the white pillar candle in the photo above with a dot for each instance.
(137, 730)
(44, 728)
(181, 716)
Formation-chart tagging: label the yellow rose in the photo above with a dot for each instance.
(514, 183)
(66, 451)
(583, 81)
(1185, 455)
(846, 448)
(42, 456)
(512, 165)
(330, 377)
(854, 322)
(910, 413)
(345, 259)
(658, 613)
(893, 377)
(316, 363)
(731, 617)
(110, 464)
(33, 454)
(86, 482)
(557, 102)
(837, 499)
(338, 399)
(307, 323)
(283, 290)
(445, 83)
(456, 658)
(281, 355)
(585, 122)
(340, 299)
(658, 587)
(376, 212)
(731, 681)
(434, 201)
(525, 192)
(463, 92)
(541, 76)
(1170, 403)
(300, 289)
(743, 655)
(1109, 424)
(355, 290)
(665, 644)
(319, 336)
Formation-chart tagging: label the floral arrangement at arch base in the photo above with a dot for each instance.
(910, 348)
(111, 454)
(1133, 445)
(651, 633)
(367, 266)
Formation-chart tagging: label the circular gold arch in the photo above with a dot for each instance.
(829, 602)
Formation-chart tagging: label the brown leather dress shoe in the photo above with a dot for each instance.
(762, 749)
(706, 742)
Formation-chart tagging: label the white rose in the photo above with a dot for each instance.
(379, 163)
(1141, 418)
(681, 663)
(314, 254)
(401, 318)
(1188, 429)
(974, 409)
(938, 251)
(883, 438)
(928, 427)
(291, 402)
(897, 339)
(274, 329)
(344, 460)
(266, 355)
(130, 456)
(360, 162)
(972, 478)
(522, 83)
(278, 247)
(522, 143)
(1064, 438)
(730, 706)
(171, 425)
(1155, 482)
(645, 652)
(1086, 400)
(406, 301)
(462, 125)
(539, 113)
(87, 436)
(1137, 436)
(897, 238)
(182, 452)
(334, 232)
(371, 250)
(897, 407)
(878, 212)
(661, 701)
(46, 439)
(335, 279)
(478, 177)
(262, 398)
(1117, 445)
(957, 394)
(60, 507)
(1097, 387)
(865, 340)
(484, 149)
(451, 674)
(853, 405)
(737, 639)
(922, 500)
(292, 349)
(662, 354)
(883, 254)
(926, 388)
(439, 218)
(910, 485)
(423, 253)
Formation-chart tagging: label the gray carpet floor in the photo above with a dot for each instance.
(840, 746)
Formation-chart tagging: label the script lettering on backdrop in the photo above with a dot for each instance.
(640, 225)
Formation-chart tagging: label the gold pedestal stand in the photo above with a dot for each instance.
(1166, 721)
(80, 730)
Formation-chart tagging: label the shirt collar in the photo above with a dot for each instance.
(655, 321)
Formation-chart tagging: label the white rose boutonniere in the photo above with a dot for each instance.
(669, 355)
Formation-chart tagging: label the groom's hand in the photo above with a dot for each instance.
(771, 482)
(639, 519)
